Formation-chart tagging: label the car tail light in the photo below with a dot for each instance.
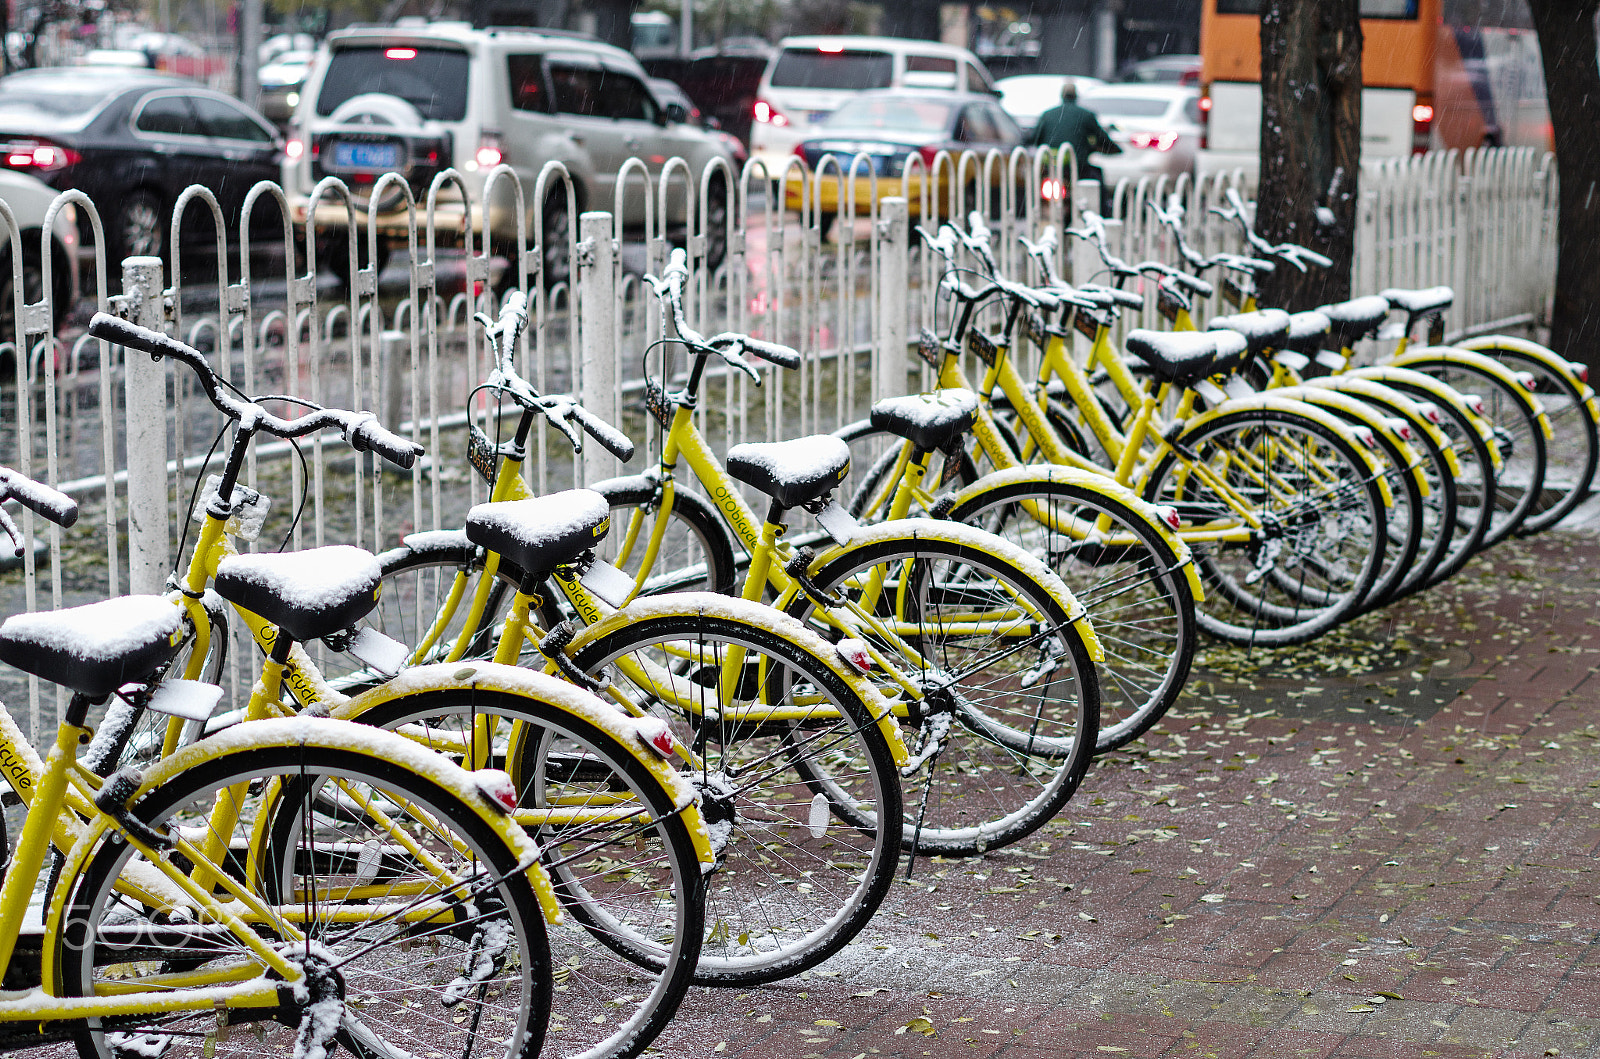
(767, 114)
(39, 156)
(929, 153)
(1421, 126)
(1205, 122)
(489, 150)
(294, 149)
(400, 53)
(1159, 141)
(831, 49)
(1051, 189)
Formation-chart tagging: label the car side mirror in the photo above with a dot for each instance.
(675, 113)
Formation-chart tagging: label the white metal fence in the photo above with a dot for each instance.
(403, 343)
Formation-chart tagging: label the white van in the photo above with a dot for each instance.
(811, 77)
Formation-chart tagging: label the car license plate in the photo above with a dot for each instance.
(366, 155)
(817, 117)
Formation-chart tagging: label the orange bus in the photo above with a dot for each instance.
(1436, 74)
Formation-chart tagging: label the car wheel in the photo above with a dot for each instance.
(141, 226)
(557, 236)
(716, 225)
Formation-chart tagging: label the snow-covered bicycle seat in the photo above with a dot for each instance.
(541, 533)
(1419, 302)
(1183, 358)
(307, 594)
(1306, 331)
(1262, 329)
(1355, 319)
(928, 420)
(95, 649)
(793, 473)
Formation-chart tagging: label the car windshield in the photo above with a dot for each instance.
(906, 115)
(434, 80)
(66, 104)
(1126, 106)
(846, 70)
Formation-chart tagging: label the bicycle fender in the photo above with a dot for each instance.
(1487, 344)
(1384, 396)
(957, 533)
(1266, 401)
(476, 675)
(644, 488)
(1369, 417)
(1439, 393)
(1488, 365)
(150, 885)
(974, 495)
(759, 614)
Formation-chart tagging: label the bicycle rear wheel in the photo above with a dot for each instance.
(802, 864)
(1005, 727)
(470, 977)
(1313, 561)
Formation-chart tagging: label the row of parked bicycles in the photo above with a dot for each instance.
(513, 788)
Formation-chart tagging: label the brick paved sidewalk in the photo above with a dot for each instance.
(1380, 844)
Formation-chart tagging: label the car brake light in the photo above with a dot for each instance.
(1160, 141)
(1051, 189)
(489, 152)
(767, 114)
(38, 156)
(1205, 122)
(929, 153)
(294, 149)
(1205, 102)
(1421, 127)
(831, 49)
(400, 53)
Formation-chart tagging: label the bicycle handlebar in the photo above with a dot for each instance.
(36, 497)
(360, 429)
(560, 409)
(730, 345)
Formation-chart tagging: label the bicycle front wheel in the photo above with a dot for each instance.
(410, 908)
(1314, 557)
(615, 845)
(802, 862)
(1003, 726)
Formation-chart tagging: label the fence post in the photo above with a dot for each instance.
(145, 393)
(597, 323)
(894, 279)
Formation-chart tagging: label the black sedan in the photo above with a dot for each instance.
(891, 126)
(132, 140)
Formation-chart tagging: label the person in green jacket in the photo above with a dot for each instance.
(1072, 124)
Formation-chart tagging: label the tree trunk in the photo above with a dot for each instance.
(1572, 84)
(1310, 143)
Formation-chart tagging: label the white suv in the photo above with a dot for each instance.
(811, 77)
(420, 99)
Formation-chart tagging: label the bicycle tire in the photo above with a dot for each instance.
(1475, 480)
(1522, 442)
(1232, 609)
(1572, 451)
(627, 885)
(104, 931)
(1439, 505)
(985, 730)
(768, 920)
(1139, 600)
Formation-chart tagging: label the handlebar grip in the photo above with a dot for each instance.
(610, 438)
(1312, 256)
(773, 352)
(143, 339)
(367, 434)
(39, 498)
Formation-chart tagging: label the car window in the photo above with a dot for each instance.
(35, 103)
(525, 73)
(975, 126)
(1191, 110)
(228, 121)
(627, 97)
(930, 71)
(1006, 130)
(855, 70)
(978, 80)
(168, 115)
(891, 112)
(578, 89)
(434, 80)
